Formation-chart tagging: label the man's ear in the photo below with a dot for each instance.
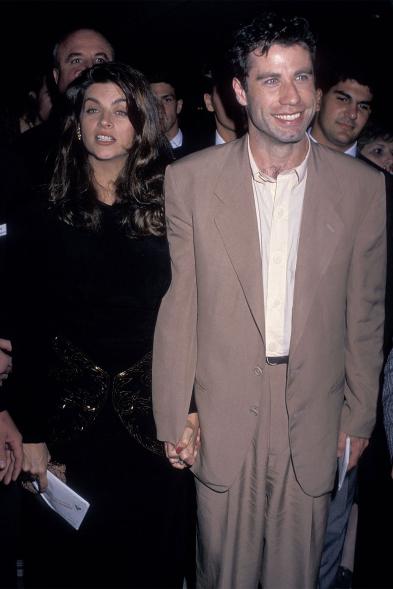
(207, 99)
(179, 106)
(56, 74)
(239, 91)
(318, 99)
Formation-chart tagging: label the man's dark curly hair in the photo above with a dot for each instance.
(264, 31)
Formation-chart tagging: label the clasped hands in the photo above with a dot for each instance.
(183, 453)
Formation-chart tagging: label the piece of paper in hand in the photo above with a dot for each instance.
(343, 462)
(62, 499)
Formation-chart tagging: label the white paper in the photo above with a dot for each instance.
(343, 462)
(62, 499)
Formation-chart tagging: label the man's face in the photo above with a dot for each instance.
(280, 97)
(78, 52)
(170, 107)
(344, 111)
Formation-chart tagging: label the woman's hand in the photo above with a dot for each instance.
(11, 453)
(35, 462)
(5, 359)
(184, 452)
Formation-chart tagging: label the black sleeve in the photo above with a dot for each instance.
(28, 301)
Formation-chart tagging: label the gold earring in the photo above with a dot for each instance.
(78, 133)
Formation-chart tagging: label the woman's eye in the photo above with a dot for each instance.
(91, 110)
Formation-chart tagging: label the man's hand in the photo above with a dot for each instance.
(5, 359)
(184, 452)
(35, 462)
(358, 446)
(11, 453)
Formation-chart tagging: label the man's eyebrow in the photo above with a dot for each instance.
(349, 97)
(265, 75)
(102, 54)
(72, 55)
(80, 54)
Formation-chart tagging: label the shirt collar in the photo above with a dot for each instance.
(300, 170)
(219, 140)
(177, 140)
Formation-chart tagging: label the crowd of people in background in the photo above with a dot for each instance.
(95, 246)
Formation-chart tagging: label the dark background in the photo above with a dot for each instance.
(183, 34)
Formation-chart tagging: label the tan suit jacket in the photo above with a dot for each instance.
(210, 328)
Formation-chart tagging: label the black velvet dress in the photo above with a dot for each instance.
(98, 294)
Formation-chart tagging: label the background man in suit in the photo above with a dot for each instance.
(274, 319)
(219, 98)
(346, 96)
(168, 93)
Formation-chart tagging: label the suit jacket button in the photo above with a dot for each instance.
(258, 371)
(254, 409)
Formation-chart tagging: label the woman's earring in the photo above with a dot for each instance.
(78, 133)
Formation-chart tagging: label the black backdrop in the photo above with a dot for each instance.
(181, 33)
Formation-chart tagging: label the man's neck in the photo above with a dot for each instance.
(273, 158)
(173, 131)
(318, 136)
(225, 133)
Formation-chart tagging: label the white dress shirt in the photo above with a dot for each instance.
(279, 205)
(177, 140)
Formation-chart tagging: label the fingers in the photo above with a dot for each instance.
(9, 473)
(173, 457)
(42, 481)
(358, 446)
(5, 460)
(5, 345)
(17, 453)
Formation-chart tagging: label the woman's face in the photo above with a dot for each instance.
(107, 132)
(380, 152)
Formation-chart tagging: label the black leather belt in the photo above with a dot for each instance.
(274, 360)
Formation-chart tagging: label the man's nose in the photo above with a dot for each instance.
(352, 111)
(289, 93)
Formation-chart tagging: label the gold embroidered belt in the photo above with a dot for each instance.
(83, 390)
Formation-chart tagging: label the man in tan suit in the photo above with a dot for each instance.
(273, 319)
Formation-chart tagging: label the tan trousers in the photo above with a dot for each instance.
(265, 529)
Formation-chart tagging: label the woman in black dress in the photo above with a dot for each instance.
(89, 275)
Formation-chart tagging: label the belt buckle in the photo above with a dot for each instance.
(276, 360)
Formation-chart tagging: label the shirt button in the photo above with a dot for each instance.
(277, 259)
(280, 213)
(258, 371)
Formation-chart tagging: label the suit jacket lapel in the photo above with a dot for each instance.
(320, 232)
(236, 222)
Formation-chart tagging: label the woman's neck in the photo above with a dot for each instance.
(105, 174)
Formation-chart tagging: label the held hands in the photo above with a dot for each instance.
(358, 445)
(35, 462)
(184, 452)
(11, 453)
